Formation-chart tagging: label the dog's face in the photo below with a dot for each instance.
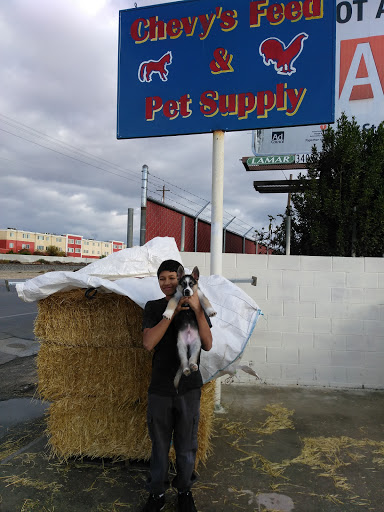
(187, 282)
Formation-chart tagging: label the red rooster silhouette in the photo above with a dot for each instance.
(274, 51)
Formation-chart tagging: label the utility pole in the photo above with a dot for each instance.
(143, 218)
(164, 191)
(130, 228)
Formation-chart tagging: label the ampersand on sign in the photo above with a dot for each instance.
(221, 62)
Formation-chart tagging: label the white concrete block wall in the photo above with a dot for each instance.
(323, 322)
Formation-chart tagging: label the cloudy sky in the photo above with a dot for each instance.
(62, 170)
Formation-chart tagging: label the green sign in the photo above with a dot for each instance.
(271, 160)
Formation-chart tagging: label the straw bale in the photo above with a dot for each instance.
(99, 427)
(107, 320)
(120, 374)
(205, 433)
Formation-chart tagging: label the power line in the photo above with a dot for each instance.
(41, 135)
(68, 156)
(47, 138)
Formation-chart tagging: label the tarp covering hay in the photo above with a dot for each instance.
(93, 368)
(131, 273)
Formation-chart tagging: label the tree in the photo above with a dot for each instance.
(52, 250)
(340, 210)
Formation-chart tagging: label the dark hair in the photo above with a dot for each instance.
(169, 265)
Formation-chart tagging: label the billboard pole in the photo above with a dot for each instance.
(217, 223)
(217, 202)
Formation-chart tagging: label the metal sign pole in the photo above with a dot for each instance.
(217, 202)
(217, 222)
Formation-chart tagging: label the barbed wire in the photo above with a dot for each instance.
(191, 207)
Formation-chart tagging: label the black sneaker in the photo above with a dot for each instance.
(155, 503)
(186, 503)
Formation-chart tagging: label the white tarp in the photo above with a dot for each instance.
(133, 273)
(359, 84)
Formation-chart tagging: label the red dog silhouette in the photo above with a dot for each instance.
(274, 51)
(148, 67)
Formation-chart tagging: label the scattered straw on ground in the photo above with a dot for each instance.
(326, 455)
(23, 481)
(279, 419)
(10, 447)
(330, 454)
(35, 506)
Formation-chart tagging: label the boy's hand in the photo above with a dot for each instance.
(182, 305)
(193, 302)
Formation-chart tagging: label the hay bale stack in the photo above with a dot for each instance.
(93, 368)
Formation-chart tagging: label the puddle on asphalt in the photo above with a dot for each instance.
(20, 410)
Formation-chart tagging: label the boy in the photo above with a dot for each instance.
(172, 411)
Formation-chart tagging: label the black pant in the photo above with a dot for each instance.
(178, 415)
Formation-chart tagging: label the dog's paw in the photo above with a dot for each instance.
(168, 314)
(194, 367)
(211, 312)
(187, 371)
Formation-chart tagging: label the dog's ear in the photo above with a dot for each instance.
(180, 272)
(195, 274)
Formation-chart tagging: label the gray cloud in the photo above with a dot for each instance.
(59, 77)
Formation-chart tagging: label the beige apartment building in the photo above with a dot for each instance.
(15, 240)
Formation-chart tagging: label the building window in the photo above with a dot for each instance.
(11, 233)
(78, 242)
(71, 241)
(40, 247)
(58, 239)
(25, 246)
(78, 250)
(40, 237)
(11, 245)
(86, 251)
(70, 249)
(47, 238)
(25, 235)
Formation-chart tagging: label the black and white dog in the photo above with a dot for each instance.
(188, 339)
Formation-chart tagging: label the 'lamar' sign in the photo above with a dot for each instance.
(271, 160)
(198, 66)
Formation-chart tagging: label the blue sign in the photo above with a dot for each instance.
(203, 65)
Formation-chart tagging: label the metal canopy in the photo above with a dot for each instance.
(277, 186)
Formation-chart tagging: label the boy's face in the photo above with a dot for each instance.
(168, 283)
